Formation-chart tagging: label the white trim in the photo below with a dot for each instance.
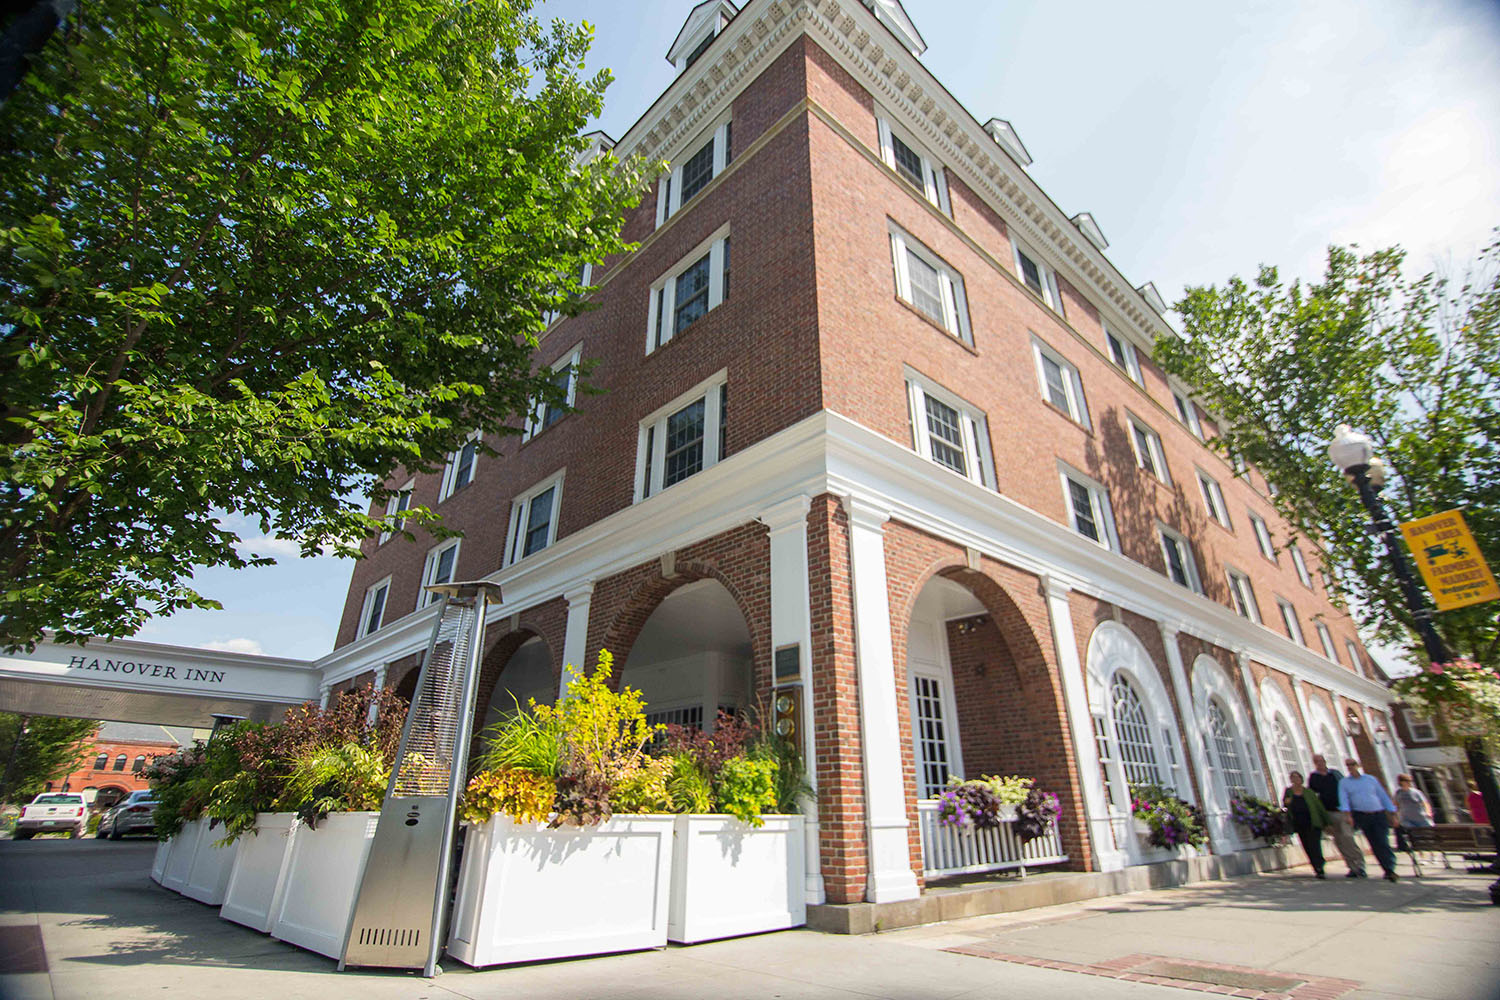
(669, 185)
(1241, 585)
(1326, 638)
(1273, 705)
(429, 571)
(933, 184)
(1048, 292)
(654, 427)
(954, 304)
(1157, 466)
(1187, 412)
(1289, 620)
(1101, 511)
(1189, 561)
(1129, 362)
(537, 412)
(364, 628)
(662, 306)
(1355, 660)
(979, 464)
(1077, 408)
(1213, 499)
(520, 509)
(394, 505)
(450, 484)
(1263, 540)
(1211, 683)
(1300, 563)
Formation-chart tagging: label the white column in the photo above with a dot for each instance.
(325, 691)
(1300, 693)
(889, 862)
(1341, 716)
(1263, 736)
(1219, 836)
(576, 635)
(791, 624)
(379, 683)
(1081, 723)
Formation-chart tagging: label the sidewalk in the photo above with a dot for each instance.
(106, 931)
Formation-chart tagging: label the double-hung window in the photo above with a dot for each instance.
(929, 285)
(1326, 638)
(1038, 277)
(1187, 413)
(1262, 536)
(1177, 554)
(1122, 353)
(533, 519)
(1354, 660)
(949, 431)
(372, 612)
(1148, 452)
(397, 503)
(705, 160)
(544, 414)
(442, 562)
(682, 438)
(459, 470)
(1088, 508)
(1060, 382)
(1420, 727)
(1289, 619)
(905, 156)
(682, 296)
(1213, 498)
(1301, 565)
(1242, 595)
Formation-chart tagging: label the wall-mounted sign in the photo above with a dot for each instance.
(143, 670)
(1454, 571)
(788, 663)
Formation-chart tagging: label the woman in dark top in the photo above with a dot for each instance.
(1308, 819)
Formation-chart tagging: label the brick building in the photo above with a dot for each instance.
(114, 764)
(903, 454)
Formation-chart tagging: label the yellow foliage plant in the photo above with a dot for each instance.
(524, 796)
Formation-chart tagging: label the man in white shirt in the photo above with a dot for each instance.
(1368, 804)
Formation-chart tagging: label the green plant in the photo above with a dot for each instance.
(583, 799)
(92, 826)
(1011, 791)
(746, 787)
(524, 796)
(604, 732)
(792, 786)
(1172, 821)
(645, 790)
(341, 778)
(1462, 697)
(690, 789)
(524, 739)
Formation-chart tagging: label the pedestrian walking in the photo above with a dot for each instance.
(1412, 809)
(1364, 798)
(1325, 781)
(1477, 812)
(1308, 818)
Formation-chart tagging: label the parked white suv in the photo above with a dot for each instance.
(52, 811)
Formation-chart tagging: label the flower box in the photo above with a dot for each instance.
(731, 878)
(526, 892)
(209, 875)
(181, 850)
(322, 876)
(258, 878)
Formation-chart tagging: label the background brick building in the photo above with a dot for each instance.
(120, 751)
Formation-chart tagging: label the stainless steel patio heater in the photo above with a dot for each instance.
(401, 907)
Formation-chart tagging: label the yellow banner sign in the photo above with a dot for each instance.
(1455, 572)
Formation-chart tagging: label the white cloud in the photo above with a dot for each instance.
(239, 645)
(270, 545)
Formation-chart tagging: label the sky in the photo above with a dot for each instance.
(1205, 138)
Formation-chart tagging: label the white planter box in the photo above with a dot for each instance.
(159, 861)
(181, 850)
(731, 878)
(259, 874)
(526, 892)
(209, 875)
(321, 879)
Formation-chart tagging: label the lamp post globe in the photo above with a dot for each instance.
(1349, 449)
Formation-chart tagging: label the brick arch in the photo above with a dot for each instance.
(499, 656)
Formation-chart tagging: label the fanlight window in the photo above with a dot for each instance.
(1286, 747)
(1133, 734)
(1222, 732)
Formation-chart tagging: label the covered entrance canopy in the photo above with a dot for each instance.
(131, 681)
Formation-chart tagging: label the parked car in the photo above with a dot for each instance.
(135, 813)
(54, 811)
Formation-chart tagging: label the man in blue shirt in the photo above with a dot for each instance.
(1368, 804)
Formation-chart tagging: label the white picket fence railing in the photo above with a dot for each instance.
(950, 851)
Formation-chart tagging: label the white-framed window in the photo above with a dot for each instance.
(926, 283)
(1354, 658)
(1326, 638)
(1133, 734)
(1148, 451)
(1060, 382)
(1420, 726)
(704, 160)
(698, 283)
(1263, 536)
(1122, 353)
(1272, 489)
(585, 276)
(440, 567)
(1237, 463)
(1037, 276)
(397, 503)
(948, 431)
(1289, 619)
(1213, 498)
(912, 164)
(1177, 553)
(936, 750)
(1286, 747)
(1187, 413)
(1226, 749)
(565, 376)
(458, 472)
(533, 519)
(372, 612)
(1242, 594)
(1089, 512)
(1301, 565)
(682, 438)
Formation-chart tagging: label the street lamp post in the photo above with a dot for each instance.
(1353, 453)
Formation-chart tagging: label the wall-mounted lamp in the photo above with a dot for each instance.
(1353, 725)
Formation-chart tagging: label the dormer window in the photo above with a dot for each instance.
(702, 26)
(692, 56)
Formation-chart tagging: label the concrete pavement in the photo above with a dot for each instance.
(105, 930)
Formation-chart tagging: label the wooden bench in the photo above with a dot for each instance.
(1474, 841)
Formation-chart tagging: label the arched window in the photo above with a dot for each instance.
(1286, 747)
(140, 764)
(101, 762)
(120, 762)
(1230, 766)
(1133, 734)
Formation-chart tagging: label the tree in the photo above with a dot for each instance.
(257, 255)
(1414, 363)
(39, 749)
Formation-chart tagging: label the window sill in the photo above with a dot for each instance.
(935, 324)
(1052, 407)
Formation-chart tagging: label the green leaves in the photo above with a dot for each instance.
(1414, 363)
(260, 256)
